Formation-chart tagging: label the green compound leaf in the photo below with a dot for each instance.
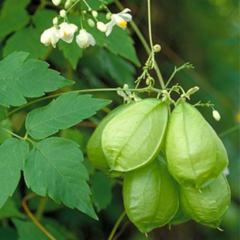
(55, 168)
(30, 44)
(12, 155)
(64, 112)
(20, 78)
(13, 16)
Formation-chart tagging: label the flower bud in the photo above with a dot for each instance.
(63, 13)
(192, 90)
(101, 27)
(55, 21)
(56, 2)
(216, 115)
(95, 13)
(157, 48)
(108, 16)
(84, 12)
(68, 4)
(91, 23)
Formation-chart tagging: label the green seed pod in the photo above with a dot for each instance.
(135, 136)
(94, 146)
(208, 205)
(150, 196)
(180, 217)
(195, 154)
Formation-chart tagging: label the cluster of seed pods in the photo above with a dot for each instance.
(172, 164)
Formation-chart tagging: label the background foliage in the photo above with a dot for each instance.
(203, 32)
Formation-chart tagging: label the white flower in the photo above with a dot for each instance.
(67, 31)
(50, 36)
(119, 19)
(101, 26)
(85, 39)
(56, 2)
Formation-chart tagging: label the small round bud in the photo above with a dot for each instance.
(216, 115)
(68, 4)
(91, 23)
(95, 13)
(55, 21)
(56, 2)
(108, 16)
(157, 48)
(63, 13)
(101, 27)
(192, 90)
(84, 12)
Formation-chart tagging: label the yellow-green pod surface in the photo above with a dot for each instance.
(135, 136)
(150, 196)
(180, 217)
(207, 205)
(195, 154)
(94, 146)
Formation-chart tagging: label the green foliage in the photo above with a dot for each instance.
(54, 167)
(13, 16)
(3, 113)
(29, 231)
(10, 210)
(101, 190)
(26, 40)
(22, 78)
(12, 155)
(66, 111)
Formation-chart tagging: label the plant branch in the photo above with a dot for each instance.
(116, 226)
(146, 89)
(29, 213)
(41, 208)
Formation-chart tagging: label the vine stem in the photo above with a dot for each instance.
(150, 25)
(116, 226)
(145, 45)
(29, 213)
(146, 89)
(41, 208)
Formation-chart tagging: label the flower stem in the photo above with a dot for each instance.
(116, 226)
(145, 45)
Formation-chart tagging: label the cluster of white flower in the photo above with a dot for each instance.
(66, 31)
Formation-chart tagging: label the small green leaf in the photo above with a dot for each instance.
(20, 78)
(54, 167)
(9, 210)
(3, 113)
(5, 124)
(101, 190)
(13, 16)
(72, 52)
(29, 231)
(64, 112)
(8, 233)
(28, 40)
(12, 155)
(43, 19)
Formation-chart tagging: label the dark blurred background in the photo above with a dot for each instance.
(202, 32)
